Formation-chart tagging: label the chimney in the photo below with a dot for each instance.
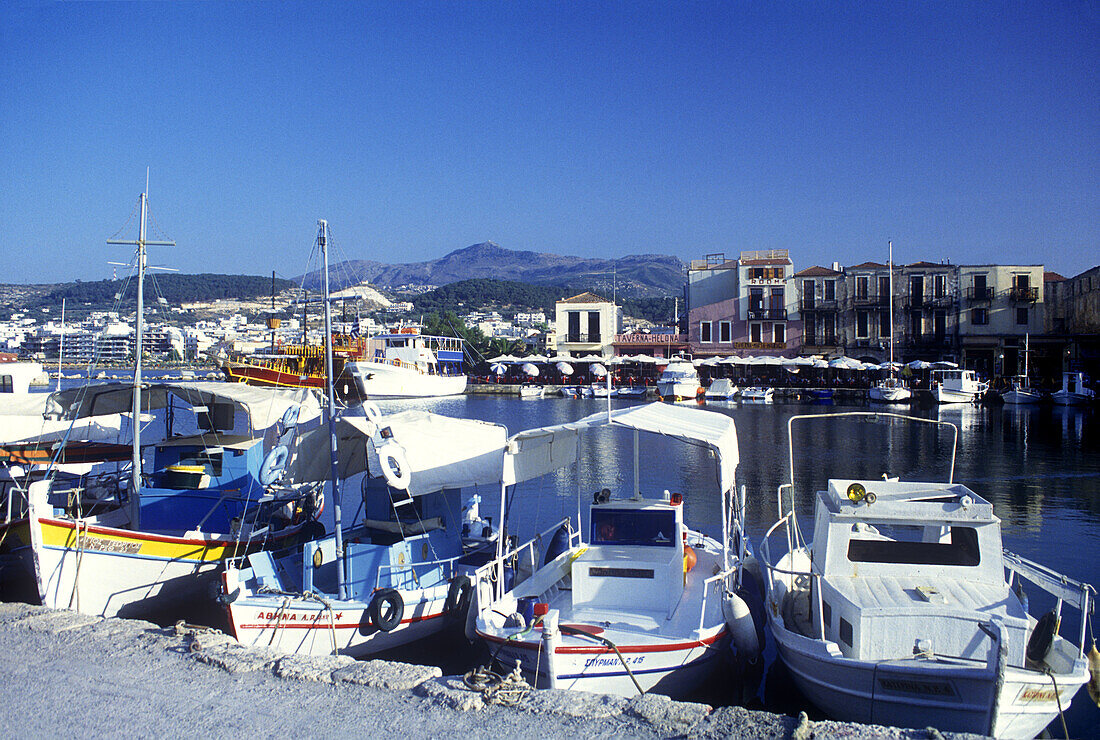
(836, 267)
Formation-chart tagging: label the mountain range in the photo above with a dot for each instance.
(636, 276)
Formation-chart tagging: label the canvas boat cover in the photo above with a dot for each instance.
(264, 406)
(441, 451)
(536, 452)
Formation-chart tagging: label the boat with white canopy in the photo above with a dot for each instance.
(679, 381)
(904, 609)
(640, 602)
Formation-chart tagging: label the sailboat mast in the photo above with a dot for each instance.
(890, 266)
(322, 241)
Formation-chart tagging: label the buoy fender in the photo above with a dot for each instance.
(742, 628)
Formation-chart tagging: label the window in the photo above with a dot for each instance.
(766, 273)
(705, 336)
(779, 331)
(1021, 316)
(809, 329)
(862, 282)
(830, 328)
(916, 288)
(861, 324)
(756, 299)
(979, 316)
(939, 325)
(809, 292)
(725, 332)
(593, 326)
(1021, 282)
(939, 286)
(775, 300)
(574, 332)
(961, 548)
(846, 632)
(884, 324)
(754, 333)
(830, 290)
(7, 385)
(884, 290)
(916, 323)
(633, 527)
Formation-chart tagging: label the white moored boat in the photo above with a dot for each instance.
(1073, 390)
(758, 394)
(679, 381)
(1021, 392)
(643, 602)
(957, 386)
(890, 389)
(721, 389)
(904, 610)
(408, 365)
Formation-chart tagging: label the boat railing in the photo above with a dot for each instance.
(1065, 590)
(523, 560)
(406, 572)
(719, 582)
(795, 578)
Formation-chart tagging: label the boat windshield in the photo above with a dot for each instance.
(959, 548)
(652, 527)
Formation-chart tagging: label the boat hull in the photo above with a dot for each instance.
(270, 377)
(890, 395)
(678, 390)
(915, 693)
(1017, 397)
(384, 380)
(947, 395)
(307, 627)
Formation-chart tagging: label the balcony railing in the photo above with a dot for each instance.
(582, 338)
(1024, 294)
(817, 304)
(767, 314)
(979, 294)
(879, 301)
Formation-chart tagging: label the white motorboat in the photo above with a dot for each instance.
(679, 381)
(905, 610)
(890, 389)
(1021, 392)
(408, 364)
(642, 602)
(957, 386)
(758, 394)
(1073, 391)
(721, 389)
(531, 391)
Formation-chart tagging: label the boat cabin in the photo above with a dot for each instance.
(429, 354)
(635, 558)
(1071, 383)
(909, 570)
(957, 380)
(16, 377)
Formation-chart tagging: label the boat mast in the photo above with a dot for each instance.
(141, 244)
(61, 344)
(890, 265)
(322, 241)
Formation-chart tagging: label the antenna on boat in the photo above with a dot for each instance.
(139, 326)
(322, 242)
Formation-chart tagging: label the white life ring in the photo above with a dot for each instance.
(290, 416)
(274, 465)
(371, 411)
(395, 466)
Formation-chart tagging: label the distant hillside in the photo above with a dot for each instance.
(479, 293)
(173, 287)
(645, 275)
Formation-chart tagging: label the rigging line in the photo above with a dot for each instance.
(133, 213)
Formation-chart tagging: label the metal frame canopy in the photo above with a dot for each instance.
(536, 452)
(264, 406)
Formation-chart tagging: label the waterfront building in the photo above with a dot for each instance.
(661, 342)
(586, 324)
(744, 306)
(822, 291)
(928, 327)
(1072, 323)
(1003, 306)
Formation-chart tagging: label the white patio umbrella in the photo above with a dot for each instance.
(845, 363)
(499, 368)
(918, 365)
(597, 369)
(530, 369)
(564, 368)
(944, 365)
(821, 364)
(536, 358)
(505, 358)
(590, 358)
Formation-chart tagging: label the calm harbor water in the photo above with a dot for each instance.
(1040, 467)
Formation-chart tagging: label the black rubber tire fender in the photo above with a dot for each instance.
(458, 597)
(387, 609)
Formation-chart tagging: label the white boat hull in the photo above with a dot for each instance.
(917, 693)
(896, 394)
(1017, 396)
(307, 627)
(947, 395)
(385, 380)
(678, 390)
(760, 395)
(1067, 398)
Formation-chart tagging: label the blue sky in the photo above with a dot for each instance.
(968, 132)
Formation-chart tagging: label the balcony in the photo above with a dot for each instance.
(917, 302)
(1024, 295)
(582, 338)
(974, 294)
(873, 301)
(767, 314)
(945, 300)
(817, 304)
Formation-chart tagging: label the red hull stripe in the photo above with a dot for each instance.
(601, 650)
